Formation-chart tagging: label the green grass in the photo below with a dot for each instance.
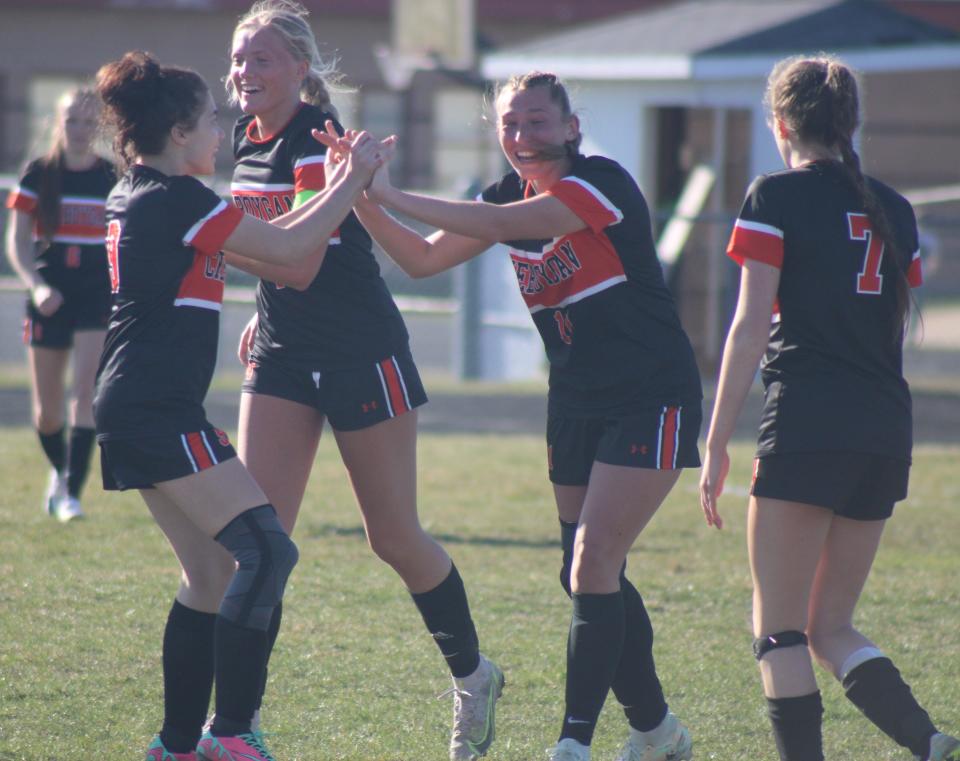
(82, 609)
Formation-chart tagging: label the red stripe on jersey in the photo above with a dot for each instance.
(27, 330)
(668, 433)
(915, 271)
(21, 201)
(397, 399)
(574, 267)
(588, 203)
(750, 241)
(215, 230)
(199, 451)
(203, 284)
(309, 173)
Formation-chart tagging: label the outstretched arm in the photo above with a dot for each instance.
(540, 217)
(746, 342)
(416, 255)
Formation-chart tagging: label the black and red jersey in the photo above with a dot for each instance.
(346, 316)
(833, 368)
(164, 236)
(598, 298)
(74, 259)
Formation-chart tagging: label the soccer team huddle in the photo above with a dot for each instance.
(141, 317)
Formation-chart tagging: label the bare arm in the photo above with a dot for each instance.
(20, 248)
(540, 217)
(746, 342)
(20, 254)
(416, 255)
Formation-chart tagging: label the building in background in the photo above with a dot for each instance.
(670, 88)
(677, 88)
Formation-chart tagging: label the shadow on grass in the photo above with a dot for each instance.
(357, 532)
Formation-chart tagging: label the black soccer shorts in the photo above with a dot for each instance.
(855, 485)
(352, 399)
(661, 438)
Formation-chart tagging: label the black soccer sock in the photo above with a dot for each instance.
(241, 657)
(187, 676)
(797, 727)
(568, 535)
(55, 448)
(878, 690)
(446, 613)
(593, 652)
(272, 631)
(78, 459)
(635, 683)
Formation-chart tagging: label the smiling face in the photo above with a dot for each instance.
(264, 74)
(201, 143)
(534, 132)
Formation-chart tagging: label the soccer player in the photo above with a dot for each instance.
(624, 399)
(55, 246)
(828, 255)
(164, 234)
(328, 343)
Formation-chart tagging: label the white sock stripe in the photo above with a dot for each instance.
(206, 444)
(186, 448)
(857, 658)
(403, 385)
(386, 391)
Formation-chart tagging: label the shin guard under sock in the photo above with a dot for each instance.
(635, 683)
(878, 690)
(593, 652)
(446, 613)
(55, 448)
(187, 676)
(78, 459)
(797, 727)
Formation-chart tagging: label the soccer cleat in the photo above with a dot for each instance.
(473, 713)
(678, 748)
(569, 749)
(68, 509)
(56, 490)
(245, 747)
(158, 752)
(943, 748)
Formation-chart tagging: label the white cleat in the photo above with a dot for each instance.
(56, 491)
(569, 749)
(474, 703)
(68, 509)
(678, 747)
(943, 748)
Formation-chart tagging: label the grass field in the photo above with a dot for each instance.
(354, 676)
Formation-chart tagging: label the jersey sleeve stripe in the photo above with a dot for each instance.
(210, 232)
(753, 240)
(588, 203)
(215, 306)
(309, 175)
(22, 199)
(915, 271)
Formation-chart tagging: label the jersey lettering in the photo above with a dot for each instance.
(869, 279)
(113, 258)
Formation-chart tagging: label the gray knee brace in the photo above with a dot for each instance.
(265, 557)
(789, 638)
